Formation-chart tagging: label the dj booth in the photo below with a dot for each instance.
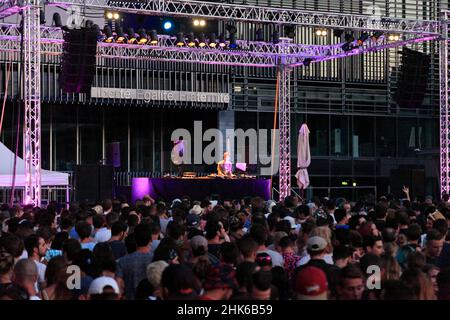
(199, 188)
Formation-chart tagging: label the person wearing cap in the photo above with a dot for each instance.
(104, 288)
(196, 209)
(219, 283)
(311, 284)
(193, 225)
(316, 249)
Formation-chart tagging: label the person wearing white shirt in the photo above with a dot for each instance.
(36, 249)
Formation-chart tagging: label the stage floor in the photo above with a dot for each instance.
(199, 188)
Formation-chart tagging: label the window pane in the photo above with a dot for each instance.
(386, 137)
(362, 140)
(339, 136)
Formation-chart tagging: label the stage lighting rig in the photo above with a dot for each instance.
(321, 32)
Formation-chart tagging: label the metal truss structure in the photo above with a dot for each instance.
(285, 56)
(32, 102)
(259, 14)
(444, 128)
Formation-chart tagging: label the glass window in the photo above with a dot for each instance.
(428, 133)
(90, 134)
(318, 137)
(142, 128)
(407, 137)
(116, 130)
(339, 143)
(385, 134)
(363, 137)
(64, 137)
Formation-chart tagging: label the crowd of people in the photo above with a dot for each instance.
(225, 249)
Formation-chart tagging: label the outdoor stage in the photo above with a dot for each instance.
(199, 188)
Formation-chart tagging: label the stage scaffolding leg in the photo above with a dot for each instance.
(284, 103)
(444, 105)
(32, 103)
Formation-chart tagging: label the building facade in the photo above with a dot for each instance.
(358, 132)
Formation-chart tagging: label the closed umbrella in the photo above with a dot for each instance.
(303, 158)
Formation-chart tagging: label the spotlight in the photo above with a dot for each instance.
(108, 33)
(131, 35)
(120, 35)
(364, 36)
(307, 62)
(222, 42)
(180, 39)
(321, 32)
(196, 22)
(202, 23)
(116, 16)
(231, 28)
(167, 25)
(201, 40)
(394, 37)
(109, 15)
(212, 40)
(191, 40)
(260, 34)
(275, 37)
(57, 20)
(289, 31)
(233, 44)
(143, 37)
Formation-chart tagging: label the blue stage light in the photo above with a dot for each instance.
(167, 25)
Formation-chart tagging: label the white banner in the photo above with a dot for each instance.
(163, 95)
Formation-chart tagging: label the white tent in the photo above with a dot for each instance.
(48, 178)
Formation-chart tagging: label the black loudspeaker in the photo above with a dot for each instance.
(93, 182)
(113, 154)
(78, 60)
(410, 177)
(412, 79)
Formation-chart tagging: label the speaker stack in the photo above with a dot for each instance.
(78, 61)
(413, 79)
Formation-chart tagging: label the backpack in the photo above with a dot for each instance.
(402, 254)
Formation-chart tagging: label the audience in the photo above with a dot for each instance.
(213, 249)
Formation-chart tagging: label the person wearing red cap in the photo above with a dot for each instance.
(219, 283)
(311, 284)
